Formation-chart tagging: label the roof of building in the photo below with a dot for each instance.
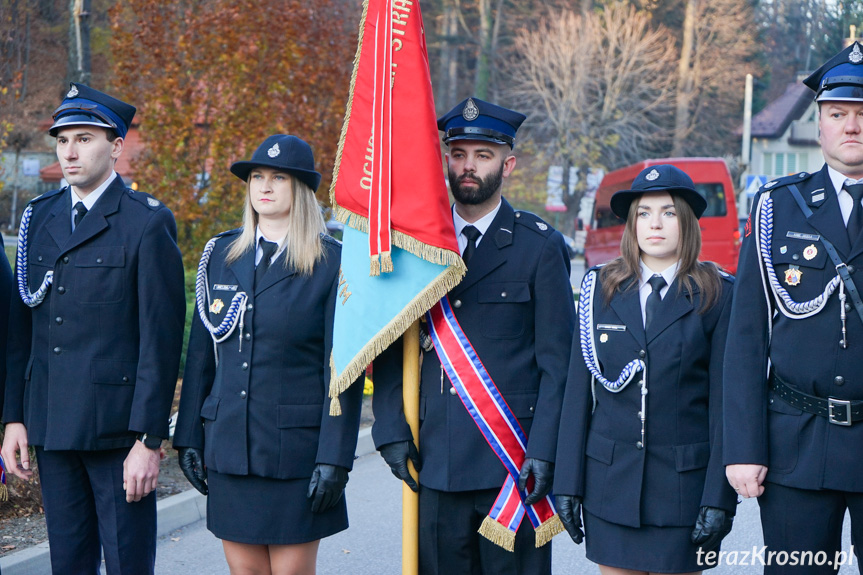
(774, 119)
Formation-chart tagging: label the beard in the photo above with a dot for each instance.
(486, 187)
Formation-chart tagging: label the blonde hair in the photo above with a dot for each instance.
(303, 245)
(705, 275)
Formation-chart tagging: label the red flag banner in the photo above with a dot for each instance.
(388, 170)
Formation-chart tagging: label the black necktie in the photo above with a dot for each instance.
(472, 234)
(657, 282)
(855, 222)
(269, 249)
(80, 212)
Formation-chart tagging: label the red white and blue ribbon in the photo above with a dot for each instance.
(498, 425)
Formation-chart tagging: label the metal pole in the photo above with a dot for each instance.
(411, 399)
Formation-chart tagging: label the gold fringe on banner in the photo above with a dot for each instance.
(546, 532)
(402, 240)
(423, 301)
(4, 492)
(497, 534)
(386, 262)
(376, 266)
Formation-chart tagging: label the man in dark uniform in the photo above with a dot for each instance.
(93, 363)
(5, 293)
(515, 306)
(794, 360)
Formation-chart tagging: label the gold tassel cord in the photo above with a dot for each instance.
(4, 492)
(335, 407)
(497, 534)
(546, 532)
(448, 279)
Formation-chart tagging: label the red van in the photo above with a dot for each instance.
(720, 229)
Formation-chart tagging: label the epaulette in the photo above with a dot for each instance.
(597, 267)
(330, 239)
(726, 276)
(785, 180)
(234, 232)
(145, 199)
(46, 195)
(533, 222)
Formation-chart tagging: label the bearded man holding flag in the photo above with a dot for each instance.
(495, 356)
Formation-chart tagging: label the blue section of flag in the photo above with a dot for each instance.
(368, 308)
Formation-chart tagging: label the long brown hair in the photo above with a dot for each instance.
(616, 274)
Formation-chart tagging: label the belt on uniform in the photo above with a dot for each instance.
(837, 411)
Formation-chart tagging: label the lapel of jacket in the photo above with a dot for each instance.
(96, 219)
(276, 273)
(491, 252)
(59, 222)
(244, 270)
(672, 308)
(627, 305)
(827, 217)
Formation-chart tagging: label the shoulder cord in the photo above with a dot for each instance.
(588, 352)
(790, 308)
(30, 299)
(236, 311)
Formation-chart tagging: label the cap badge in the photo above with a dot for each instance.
(542, 226)
(470, 112)
(652, 175)
(73, 91)
(856, 56)
(274, 151)
(153, 202)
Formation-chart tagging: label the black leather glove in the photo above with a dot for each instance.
(327, 486)
(191, 461)
(543, 477)
(569, 511)
(396, 455)
(711, 527)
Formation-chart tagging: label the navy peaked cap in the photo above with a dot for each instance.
(474, 119)
(87, 106)
(284, 153)
(841, 77)
(659, 178)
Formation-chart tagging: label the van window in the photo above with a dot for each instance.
(605, 218)
(715, 196)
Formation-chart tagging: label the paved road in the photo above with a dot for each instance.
(372, 545)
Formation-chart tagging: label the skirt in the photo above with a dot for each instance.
(266, 511)
(645, 548)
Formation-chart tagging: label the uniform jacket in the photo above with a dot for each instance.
(678, 468)
(97, 360)
(6, 289)
(264, 410)
(800, 449)
(516, 307)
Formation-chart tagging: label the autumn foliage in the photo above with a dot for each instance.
(213, 78)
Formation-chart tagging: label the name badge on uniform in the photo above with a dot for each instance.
(610, 327)
(793, 275)
(223, 287)
(802, 236)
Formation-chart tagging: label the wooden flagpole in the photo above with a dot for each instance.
(411, 398)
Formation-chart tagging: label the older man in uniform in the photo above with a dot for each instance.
(93, 361)
(794, 361)
(515, 308)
